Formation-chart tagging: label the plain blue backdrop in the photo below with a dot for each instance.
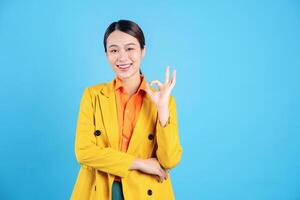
(237, 91)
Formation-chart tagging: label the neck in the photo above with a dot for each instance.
(132, 84)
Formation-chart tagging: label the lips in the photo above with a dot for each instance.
(124, 66)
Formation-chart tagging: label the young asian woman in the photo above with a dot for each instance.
(127, 136)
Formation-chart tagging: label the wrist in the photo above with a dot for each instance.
(163, 115)
(162, 107)
(136, 164)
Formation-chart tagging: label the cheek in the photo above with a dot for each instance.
(111, 59)
(136, 57)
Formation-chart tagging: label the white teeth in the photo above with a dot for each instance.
(123, 66)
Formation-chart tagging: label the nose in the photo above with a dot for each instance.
(122, 55)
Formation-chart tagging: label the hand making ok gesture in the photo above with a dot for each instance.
(161, 97)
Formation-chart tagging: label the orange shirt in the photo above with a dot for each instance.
(128, 109)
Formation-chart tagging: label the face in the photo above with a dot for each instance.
(124, 54)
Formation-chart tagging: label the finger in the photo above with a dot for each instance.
(157, 82)
(159, 174)
(158, 179)
(166, 171)
(161, 179)
(163, 173)
(148, 90)
(173, 80)
(167, 75)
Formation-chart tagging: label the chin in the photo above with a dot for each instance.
(126, 75)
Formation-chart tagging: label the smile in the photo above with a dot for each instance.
(124, 66)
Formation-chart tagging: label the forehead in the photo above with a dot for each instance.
(120, 38)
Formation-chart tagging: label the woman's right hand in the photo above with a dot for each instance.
(149, 166)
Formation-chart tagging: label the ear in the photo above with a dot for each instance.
(144, 51)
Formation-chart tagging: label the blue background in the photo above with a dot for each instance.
(237, 91)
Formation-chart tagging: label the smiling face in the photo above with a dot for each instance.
(124, 54)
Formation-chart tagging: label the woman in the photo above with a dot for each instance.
(127, 134)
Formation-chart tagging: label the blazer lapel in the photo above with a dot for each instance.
(109, 113)
(143, 125)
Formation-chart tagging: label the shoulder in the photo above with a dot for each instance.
(99, 88)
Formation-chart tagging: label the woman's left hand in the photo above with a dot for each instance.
(161, 97)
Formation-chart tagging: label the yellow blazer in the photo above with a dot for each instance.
(96, 148)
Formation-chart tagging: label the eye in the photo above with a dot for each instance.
(113, 51)
(130, 49)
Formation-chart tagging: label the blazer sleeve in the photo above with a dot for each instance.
(169, 150)
(88, 153)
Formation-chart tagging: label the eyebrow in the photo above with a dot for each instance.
(114, 45)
